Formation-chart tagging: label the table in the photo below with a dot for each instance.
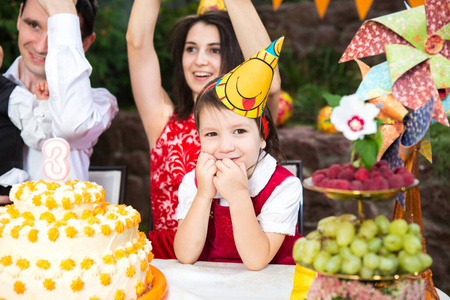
(212, 280)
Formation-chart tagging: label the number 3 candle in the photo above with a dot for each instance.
(56, 151)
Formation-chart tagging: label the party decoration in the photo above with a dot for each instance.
(417, 47)
(285, 108)
(56, 151)
(207, 5)
(362, 6)
(244, 89)
(323, 120)
(276, 4)
(414, 3)
(354, 118)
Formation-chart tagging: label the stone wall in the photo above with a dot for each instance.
(125, 142)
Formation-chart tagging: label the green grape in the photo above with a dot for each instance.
(330, 245)
(410, 263)
(394, 260)
(351, 265)
(328, 226)
(393, 242)
(411, 243)
(368, 229)
(348, 218)
(321, 260)
(387, 266)
(383, 251)
(414, 229)
(297, 249)
(359, 247)
(344, 252)
(309, 251)
(371, 261)
(345, 234)
(334, 264)
(398, 227)
(374, 244)
(314, 235)
(366, 272)
(382, 224)
(425, 260)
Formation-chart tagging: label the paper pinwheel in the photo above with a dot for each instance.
(417, 47)
(244, 89)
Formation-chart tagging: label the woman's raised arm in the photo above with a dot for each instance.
(154, 105)
(252, 37)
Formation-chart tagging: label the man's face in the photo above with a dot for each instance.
(32, 27)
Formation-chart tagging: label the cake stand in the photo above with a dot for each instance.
(159, 288)
(359, 196)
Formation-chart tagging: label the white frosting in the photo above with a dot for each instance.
(91, 249)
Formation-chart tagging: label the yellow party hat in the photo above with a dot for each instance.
(207, 5)
(244, 90)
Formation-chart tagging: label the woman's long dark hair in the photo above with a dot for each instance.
(230, 54)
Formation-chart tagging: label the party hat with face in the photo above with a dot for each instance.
(244, 90)
(207, 5)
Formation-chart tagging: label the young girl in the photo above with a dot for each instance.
(238, 205)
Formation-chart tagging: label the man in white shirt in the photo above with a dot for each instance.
(53, 37)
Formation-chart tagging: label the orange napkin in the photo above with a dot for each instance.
(303, 279)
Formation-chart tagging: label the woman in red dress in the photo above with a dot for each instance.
(204, 47)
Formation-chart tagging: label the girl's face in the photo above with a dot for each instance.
(201, 56)
(226, 134)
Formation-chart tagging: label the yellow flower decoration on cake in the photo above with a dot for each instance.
(19, 287)
(245, 89)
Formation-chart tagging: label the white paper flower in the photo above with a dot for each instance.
(354, 118)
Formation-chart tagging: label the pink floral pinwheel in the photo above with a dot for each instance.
(354, 118)
(417, 46)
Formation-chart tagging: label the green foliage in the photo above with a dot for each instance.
(307, 79)
(440, 143)
(8, 32)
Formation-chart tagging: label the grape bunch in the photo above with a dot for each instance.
(348, 177)
(344, 245)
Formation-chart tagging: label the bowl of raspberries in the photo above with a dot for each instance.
(347, 181)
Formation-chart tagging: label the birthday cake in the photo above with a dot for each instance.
(62, 241)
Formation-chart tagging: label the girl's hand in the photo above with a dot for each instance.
(231, 179)
(205, 171)
(1, 56)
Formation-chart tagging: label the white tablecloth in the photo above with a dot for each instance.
(211, 280)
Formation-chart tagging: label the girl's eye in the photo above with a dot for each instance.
(216, 51)
(239, 131)
(211, 134)
(190, 49)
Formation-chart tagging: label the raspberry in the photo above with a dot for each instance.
(367, 184)
(340, 184)
(385, 171)
(334, 171)
(362, 174)
(356, 185)
(374, 174)
(325, 183)
(408, 178)
(400, 170)
(346, 174)
(396, 181)
(350, 167)
(317, 178)
(381, 163)
(377, 184)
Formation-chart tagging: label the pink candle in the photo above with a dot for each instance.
(56, 151)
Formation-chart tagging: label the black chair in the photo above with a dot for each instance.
(113, 179)
(295, 166)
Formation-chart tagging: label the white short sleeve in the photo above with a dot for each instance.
(280, 212)
(186, 194)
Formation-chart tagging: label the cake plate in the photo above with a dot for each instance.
(159, 288)
(359, 196)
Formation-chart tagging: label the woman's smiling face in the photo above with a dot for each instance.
(201, 56)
